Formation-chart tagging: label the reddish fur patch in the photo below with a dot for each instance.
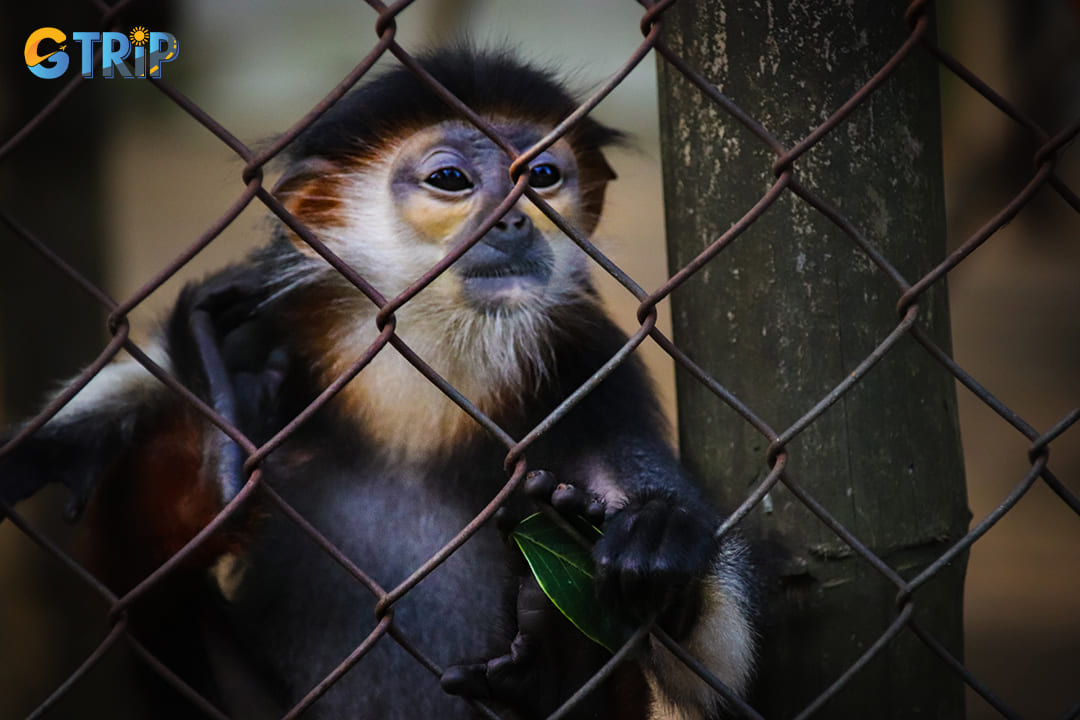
(312, 194)
(155, 499)
(631, 692)
(316, 202)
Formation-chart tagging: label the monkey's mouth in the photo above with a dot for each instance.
(502, 272)
(502, 285)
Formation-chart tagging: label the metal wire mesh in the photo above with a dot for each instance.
(1051, 144)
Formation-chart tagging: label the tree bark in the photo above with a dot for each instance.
(790, 309)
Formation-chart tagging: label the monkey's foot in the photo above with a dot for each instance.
(507, 677)
(547, 662)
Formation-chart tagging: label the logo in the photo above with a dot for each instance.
(47, 53)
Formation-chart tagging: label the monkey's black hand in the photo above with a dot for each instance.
(221, 332)
(651, 557)
(251, 362)
(22, 474)
(653, 552)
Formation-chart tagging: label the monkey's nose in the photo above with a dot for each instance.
(513, 234)
(515, 219)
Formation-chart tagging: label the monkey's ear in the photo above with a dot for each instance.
(311, 190)
(605, 169)
(596, 173)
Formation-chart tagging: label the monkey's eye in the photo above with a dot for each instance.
(544, 176)
(450, 179)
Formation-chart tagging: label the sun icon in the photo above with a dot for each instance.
(139, 35)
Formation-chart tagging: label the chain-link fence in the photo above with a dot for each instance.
(1049, 147)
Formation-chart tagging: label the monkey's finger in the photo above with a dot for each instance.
(502, 678)
(505, 522)
(571, 500)
(539, 484)
(534, 611)
(466, 680)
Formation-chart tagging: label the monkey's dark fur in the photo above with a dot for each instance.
(390, 470)
(489, 83)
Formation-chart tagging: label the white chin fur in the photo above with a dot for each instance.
(493, 293)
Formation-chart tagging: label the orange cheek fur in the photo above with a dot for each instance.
(439, 223)
(566, 208)
(434, 221)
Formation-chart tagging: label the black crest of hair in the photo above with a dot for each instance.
(487, 81)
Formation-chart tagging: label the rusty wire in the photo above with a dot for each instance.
(1049, 147)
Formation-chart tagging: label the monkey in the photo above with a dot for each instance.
(391, 179)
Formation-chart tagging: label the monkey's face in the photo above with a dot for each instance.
(445, 180)
(395, 212)
(398, 209)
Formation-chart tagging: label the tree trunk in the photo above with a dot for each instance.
(790, 309)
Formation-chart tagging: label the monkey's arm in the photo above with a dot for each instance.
(659, 528)
(659, 555)
(83, 442)
(157, 470)
(708, 611)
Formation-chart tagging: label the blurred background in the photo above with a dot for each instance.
(152, 180)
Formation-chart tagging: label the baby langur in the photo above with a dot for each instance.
(390, 180)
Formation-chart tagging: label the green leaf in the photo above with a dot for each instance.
(567, 575)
